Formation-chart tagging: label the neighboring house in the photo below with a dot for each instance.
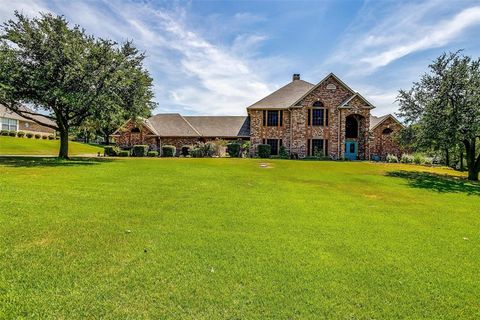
(302, 117)
(11, 121)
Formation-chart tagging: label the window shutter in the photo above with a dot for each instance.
(281, 142)
(308, 148)
(309, 111)
(326, 117)
(326, 147)
(281, 118)
(264, 119)
(263, 141)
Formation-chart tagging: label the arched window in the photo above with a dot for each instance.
(135, 130)
(318, 104)
(387, 131)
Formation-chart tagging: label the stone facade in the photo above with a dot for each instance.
(382, 139)
(295, 132)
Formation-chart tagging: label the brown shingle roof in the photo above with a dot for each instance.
(221, 126)
(284, 97)
(375, 121)
(172, 125)
(6, 113)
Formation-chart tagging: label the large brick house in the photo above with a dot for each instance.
(305, 118)
(11, 121)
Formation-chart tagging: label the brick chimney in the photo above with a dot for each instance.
(296, 76)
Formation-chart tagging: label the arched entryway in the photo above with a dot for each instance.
(354, 146)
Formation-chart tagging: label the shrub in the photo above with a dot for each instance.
(245, 148)
(233, 149)
(392, 158)
(152, 153)
(51, 137)
(111, 151)
(406, 158)
(196, 152)
(29, 135)
(20, 134)
(4, 133)
(418, 158)
(283, 153)
(139, 150)
(12, 133)
(44, 137)
(185, 151)
(428, 161)
(208, 148)
(168, 151)
(264, 150)
(38, 135)
(123, 153)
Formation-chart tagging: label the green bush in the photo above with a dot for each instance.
(51, 137)
(234, 149)
(20, 134)
(392, 158)
(418, 158)
(185, 151)
(29, 135)
(264, 150)
(44, 137)
(152, 154)
(406, 158)
(139, 150)
(38, 135)
(124, 153)
(4, 133)
(168, 151)
(111, 151)
(428, 161)
(12, 133)
(283, 153)
(196, 152)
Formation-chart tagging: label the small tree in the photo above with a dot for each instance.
(445, 107)
(61, 71)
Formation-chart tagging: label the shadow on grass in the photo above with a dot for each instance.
(437, 182)
(50, 162)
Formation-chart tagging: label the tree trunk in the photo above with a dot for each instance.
(462, 168)
(447, 158)
(473, 162)
(106, 136)
(63, 153)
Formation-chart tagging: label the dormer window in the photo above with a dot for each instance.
(135, 130)
(387, 131)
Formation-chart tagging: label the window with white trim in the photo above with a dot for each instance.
(9, 124)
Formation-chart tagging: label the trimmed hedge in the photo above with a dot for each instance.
(139, 150)
(20, 134)
(4, 133)
(233, 149)
(110, 151)
(152, 153)
(392, 158)
(29, 135)
(38, 135)
(124, 153)
(264, 150)
(44, 137)
(185, 151)
(51, 137)
(12, 134)
(168, 151)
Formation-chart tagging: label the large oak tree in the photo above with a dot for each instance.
(444, 105)
(64, 74)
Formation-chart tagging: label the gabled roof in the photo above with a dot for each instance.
(346, 102)
(284, 97)
(7, 113)
(331, 74)
(220, 126)
(376, 121)
(172, 125)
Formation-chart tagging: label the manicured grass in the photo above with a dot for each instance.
(230, 239)
(25, 146)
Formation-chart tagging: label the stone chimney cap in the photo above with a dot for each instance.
(296, 76)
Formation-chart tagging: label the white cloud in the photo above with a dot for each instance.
(381, 36)
(191, 74)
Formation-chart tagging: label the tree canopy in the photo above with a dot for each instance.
(444, 106)
(67, 76)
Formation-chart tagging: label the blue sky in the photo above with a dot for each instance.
(218, 57)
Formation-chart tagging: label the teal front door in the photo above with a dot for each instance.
(351, 150)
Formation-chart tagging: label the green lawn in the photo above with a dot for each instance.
(230, 239)
(25, 146)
